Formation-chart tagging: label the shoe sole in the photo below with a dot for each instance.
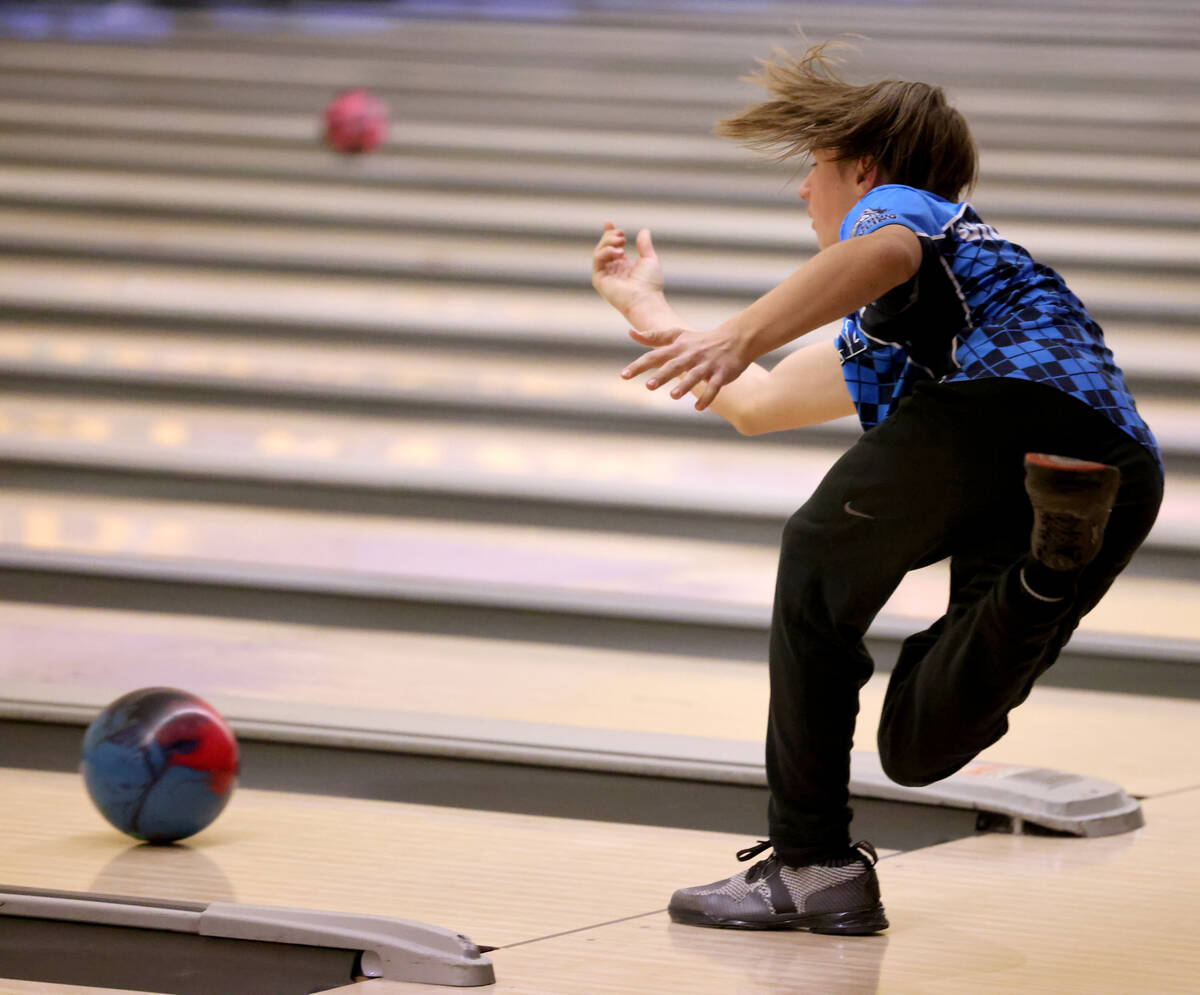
(1071, 500)
(1075, 487)
(1070, 463)
(860, 922)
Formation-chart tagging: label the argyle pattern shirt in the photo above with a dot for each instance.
(978, 307)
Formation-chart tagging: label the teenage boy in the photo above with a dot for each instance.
(993, 413)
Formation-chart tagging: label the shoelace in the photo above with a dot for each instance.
(862, 850)
(761, 868)
(753, 851)
(866, 853)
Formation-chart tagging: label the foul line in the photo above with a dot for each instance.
(581, 929)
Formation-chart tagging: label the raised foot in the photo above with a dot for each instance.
(1072, 500)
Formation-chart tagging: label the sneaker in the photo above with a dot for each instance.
(1071, 501)
(839, 895)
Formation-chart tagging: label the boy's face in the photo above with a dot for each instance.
(832, 187)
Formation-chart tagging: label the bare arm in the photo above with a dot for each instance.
(832, 284)
(804, 388)
(835, 282)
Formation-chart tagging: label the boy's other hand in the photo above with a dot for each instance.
(619, 280)
(716, 358)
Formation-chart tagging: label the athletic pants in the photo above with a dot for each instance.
(941, 477)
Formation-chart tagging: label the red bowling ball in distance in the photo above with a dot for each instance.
(355, 122)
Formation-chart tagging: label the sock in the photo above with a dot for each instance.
(802, 856)
(1044, 584)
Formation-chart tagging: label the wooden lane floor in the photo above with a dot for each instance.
(775, 223)
(410, 455)
(295, 132)
(499, 879)
(961, 912)
(311, 851)
(400, 375)
(406, 233)
(565, 61)
(402, 378)
(387, 309)
(514, 568)
(1052, 179)
(1003, 118)
(578, 907)
(389, 305)
(987, 914)
(490, 60)
(608, 30)
(1162, 23)
(62, 663)
(415, 454)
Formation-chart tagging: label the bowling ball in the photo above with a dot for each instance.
(355, 122)
(160, 764)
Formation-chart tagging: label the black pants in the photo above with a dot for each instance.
(943, 476)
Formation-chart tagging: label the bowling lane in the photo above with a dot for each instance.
(392, 306)
(514, 567)
(594, 922)
(350, 204)
(1054, 179)
(1080, 121)
(387, 308)
(782, 227)
(616, 147)
(412, 374)
(766, 224)
(327, 252)
(1071, 66)
(988, 914)
(499, 878)
(606, 32)
(297, 680)
(400, 374)
(712, 28)
(414, 455)
(411, 454)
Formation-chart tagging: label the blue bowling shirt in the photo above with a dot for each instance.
(978, 307)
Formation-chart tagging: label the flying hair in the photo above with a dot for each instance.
(908, 130)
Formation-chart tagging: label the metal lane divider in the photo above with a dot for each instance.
(74, 937)
(1010, 797)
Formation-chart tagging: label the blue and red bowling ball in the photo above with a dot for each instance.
(355, 122)
(160, 764)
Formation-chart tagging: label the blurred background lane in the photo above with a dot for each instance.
(233, 356)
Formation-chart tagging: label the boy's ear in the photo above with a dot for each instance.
(867, 174)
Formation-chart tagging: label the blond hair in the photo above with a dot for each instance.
(906, 129)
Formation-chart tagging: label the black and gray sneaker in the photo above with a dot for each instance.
(839, 895)
(1071, 501)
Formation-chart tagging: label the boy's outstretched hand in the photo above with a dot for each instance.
(713, 358)
(635, 289)
(620, 281)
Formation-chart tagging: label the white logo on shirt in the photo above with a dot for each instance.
(975, 231)
(872, 217)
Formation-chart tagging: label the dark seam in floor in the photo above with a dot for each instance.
(580, 929)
